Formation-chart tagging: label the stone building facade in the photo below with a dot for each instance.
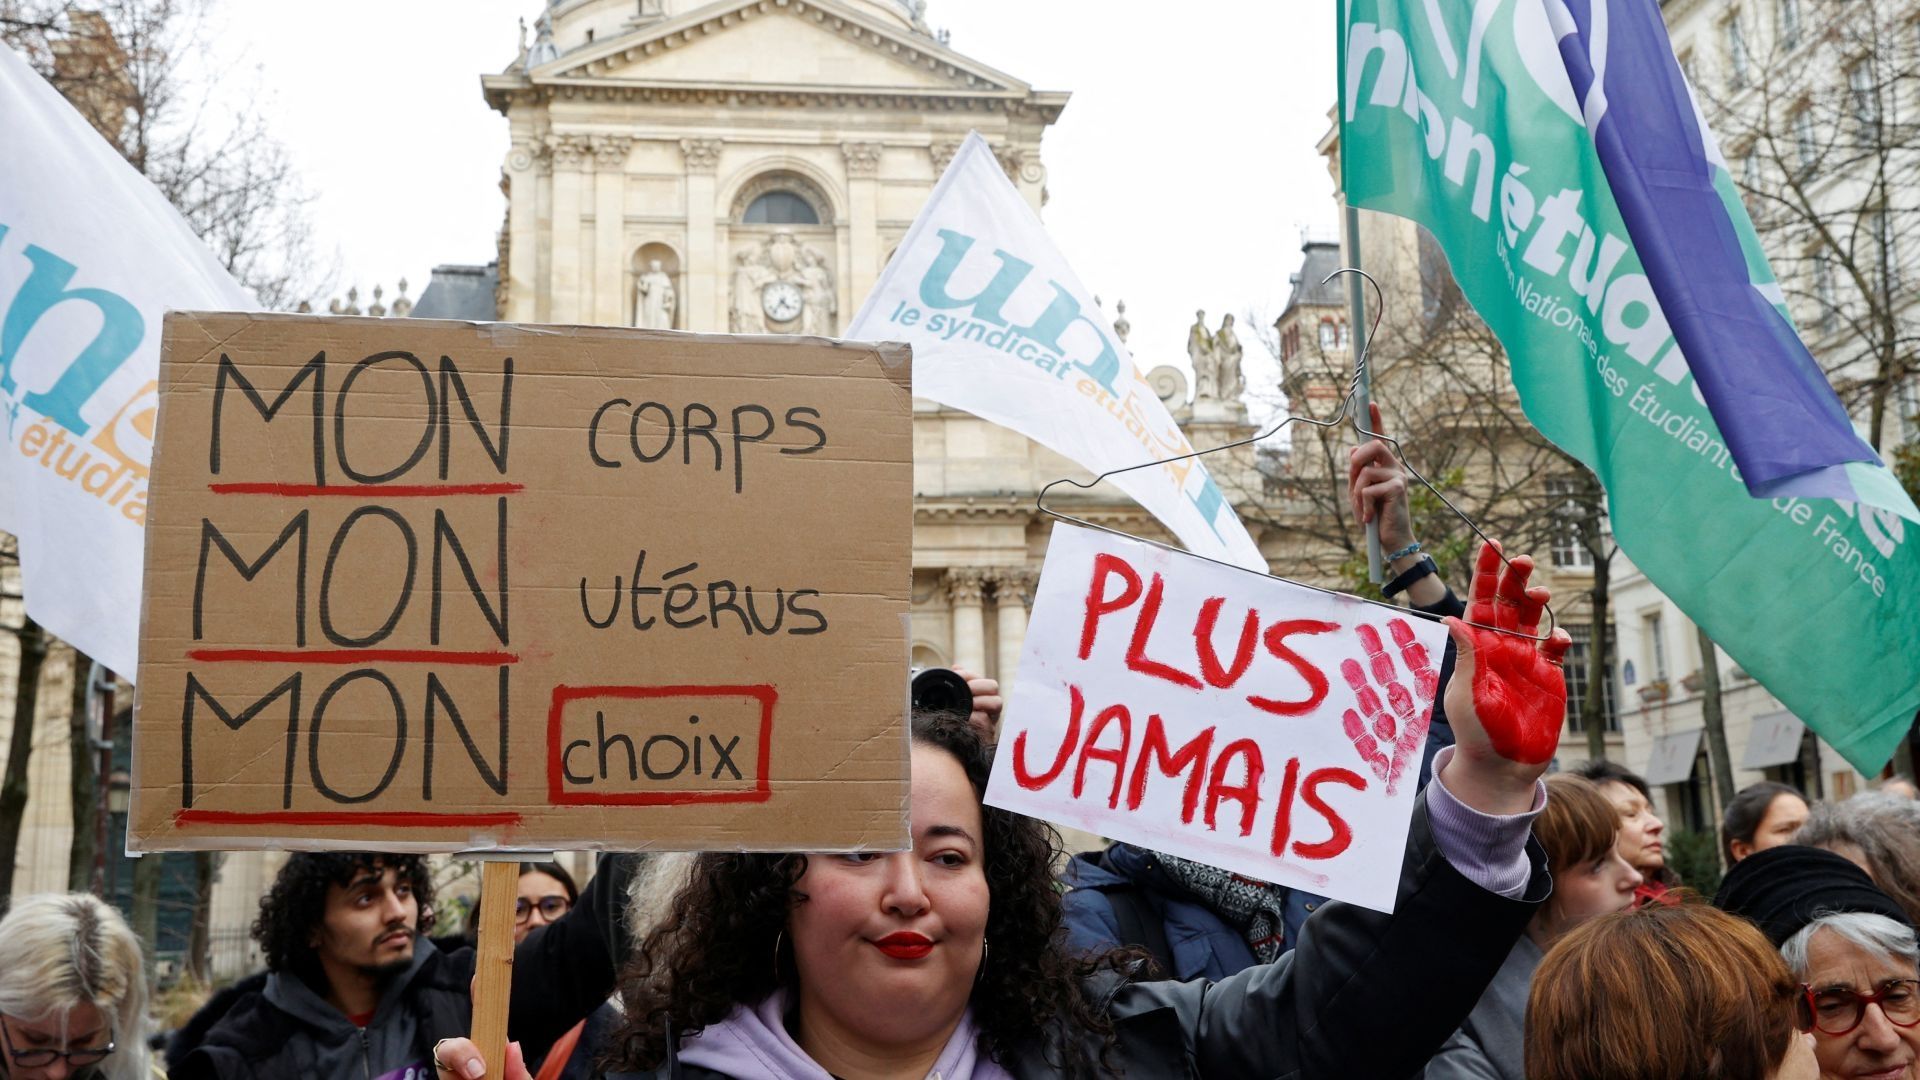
(757, 161)
(752, 149)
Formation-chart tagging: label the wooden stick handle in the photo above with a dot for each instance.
(493, 969)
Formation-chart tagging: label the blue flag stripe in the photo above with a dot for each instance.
(1767, 394)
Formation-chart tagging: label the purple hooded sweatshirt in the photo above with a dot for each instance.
(754, 1042)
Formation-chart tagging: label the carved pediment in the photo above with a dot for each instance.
(816, 44)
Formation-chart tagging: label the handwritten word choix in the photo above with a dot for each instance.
(1202, 711)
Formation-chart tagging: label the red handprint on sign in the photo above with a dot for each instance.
(1518, 696)
(1387, 739)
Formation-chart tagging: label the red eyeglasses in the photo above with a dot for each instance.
(1837, 1010)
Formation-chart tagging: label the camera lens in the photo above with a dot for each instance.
(941, 690)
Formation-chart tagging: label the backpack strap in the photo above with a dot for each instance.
(561, 1053)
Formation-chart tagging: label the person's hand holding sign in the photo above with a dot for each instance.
(1507, 698)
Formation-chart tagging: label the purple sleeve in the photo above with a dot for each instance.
(1489, 850)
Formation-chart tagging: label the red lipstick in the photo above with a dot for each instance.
(905, 945)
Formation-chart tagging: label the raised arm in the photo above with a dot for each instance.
(1367, 994)
(565, 970)
(1377, 491)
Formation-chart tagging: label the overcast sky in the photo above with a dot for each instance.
(1180, 174)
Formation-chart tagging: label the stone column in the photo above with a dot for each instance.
(571, 155)
(528, 167)
(1013, 591)
(964, 587)
(863, 200)
(540, 232)
(609, 229)
(705, 272)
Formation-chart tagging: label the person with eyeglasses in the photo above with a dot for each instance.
(546, 893)
(1851, 950)
(356, 990)
(73, 997)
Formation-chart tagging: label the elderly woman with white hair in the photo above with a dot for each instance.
(1880, 833)
(73, 997)
(1852, 949)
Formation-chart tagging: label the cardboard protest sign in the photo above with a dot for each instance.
(428, 585)
(1191, 708)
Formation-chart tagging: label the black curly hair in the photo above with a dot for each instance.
(298, 900)
(713, 949)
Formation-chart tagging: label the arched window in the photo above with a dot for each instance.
(1329, 334)
(780, 208)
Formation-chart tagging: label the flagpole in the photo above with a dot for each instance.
(1363, 386)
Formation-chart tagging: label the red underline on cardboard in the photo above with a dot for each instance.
(398, 819)
(353, 656)
(361, 491)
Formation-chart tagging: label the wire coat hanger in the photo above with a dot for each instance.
(1340, 417)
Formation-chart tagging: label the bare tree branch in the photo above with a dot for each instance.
(119, 62)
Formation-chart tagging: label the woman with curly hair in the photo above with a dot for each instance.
(946, 959)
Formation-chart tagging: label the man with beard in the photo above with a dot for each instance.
(354, 989)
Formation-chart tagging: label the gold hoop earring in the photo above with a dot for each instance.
(981, 972)
(778, 939)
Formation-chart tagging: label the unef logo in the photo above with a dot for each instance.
(48, 379)
(1063, 334)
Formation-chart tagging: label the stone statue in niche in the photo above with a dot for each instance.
(817, 296)
(653, 298)
(1200, 353)
(1217, 382)
(1228, 382)
(743, 314)
(782, 285)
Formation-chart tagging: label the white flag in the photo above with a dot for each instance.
(91, 255)
(1001, 328)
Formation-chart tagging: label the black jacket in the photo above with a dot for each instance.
(561, 973)
(1363, 995)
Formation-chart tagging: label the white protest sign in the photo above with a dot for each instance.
(1249, 723)
(1002, 328)
(91, 255)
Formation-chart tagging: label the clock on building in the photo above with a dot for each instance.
(781, 300)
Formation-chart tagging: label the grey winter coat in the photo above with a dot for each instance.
(1491, 1045)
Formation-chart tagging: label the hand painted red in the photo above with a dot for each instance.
(1386, 740)
(1507, 694)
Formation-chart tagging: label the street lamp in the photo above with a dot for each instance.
(119, 796)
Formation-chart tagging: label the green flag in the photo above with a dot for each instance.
(1462, 117)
